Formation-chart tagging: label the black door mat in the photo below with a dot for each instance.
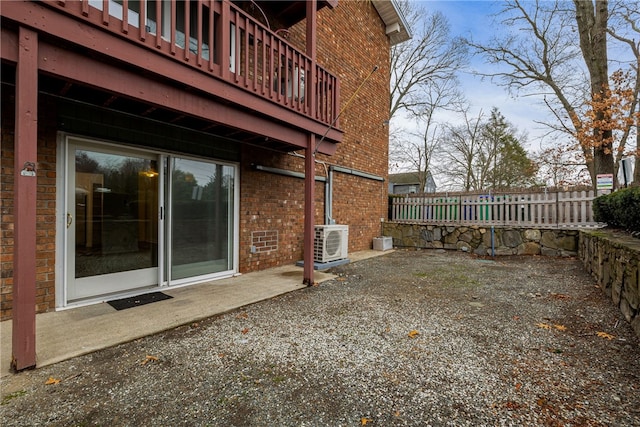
(124, 303)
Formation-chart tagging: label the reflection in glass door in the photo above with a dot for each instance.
(112, 221)
(201, 218)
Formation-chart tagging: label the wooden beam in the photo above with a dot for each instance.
(8, 45)
(80, 68)
(309, 210)
(310, 154)
(24, 215)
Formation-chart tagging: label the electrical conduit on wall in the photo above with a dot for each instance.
(328, 211)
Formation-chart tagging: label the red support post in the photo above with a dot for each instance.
(312, 24)
(25, 180)
(309, 209)
(310, 154)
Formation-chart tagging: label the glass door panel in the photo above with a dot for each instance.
(201, 213)
(112, 222)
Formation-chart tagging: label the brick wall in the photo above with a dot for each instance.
(271, 202)
(351, 41)
(45, 211)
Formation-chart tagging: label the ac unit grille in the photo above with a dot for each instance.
(331, 242)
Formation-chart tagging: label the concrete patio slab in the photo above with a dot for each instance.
(65, 334)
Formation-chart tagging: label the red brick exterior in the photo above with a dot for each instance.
(351, 41)
(277, 202)
(45, 212)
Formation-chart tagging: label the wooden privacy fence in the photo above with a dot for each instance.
(553, 209)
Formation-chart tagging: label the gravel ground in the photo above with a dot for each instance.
(409, 338)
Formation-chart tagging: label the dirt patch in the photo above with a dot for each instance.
(408, 338)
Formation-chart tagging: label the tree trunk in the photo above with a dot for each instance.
(636, 171)
(592, 17)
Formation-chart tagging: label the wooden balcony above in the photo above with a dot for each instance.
(208, 47)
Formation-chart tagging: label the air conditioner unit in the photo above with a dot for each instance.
(331, 242)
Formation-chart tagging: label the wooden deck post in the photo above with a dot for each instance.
(309, 209)
(310, 156)
(24, 214)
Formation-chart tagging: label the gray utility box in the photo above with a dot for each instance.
(382, 243)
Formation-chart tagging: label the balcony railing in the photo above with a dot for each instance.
(217, 38)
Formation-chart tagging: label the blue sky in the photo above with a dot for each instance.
(473, 18)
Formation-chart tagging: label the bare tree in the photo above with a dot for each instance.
(542, 58)
(463, 150)
(414, 150)
(428, 61)
(423, 82)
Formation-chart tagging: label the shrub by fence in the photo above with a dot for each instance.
(619, 209)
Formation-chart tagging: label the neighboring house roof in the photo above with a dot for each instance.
(405, 178)
(409, 182)
(397, 27)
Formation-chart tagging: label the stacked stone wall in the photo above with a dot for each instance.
(614, 261)
(485, 240)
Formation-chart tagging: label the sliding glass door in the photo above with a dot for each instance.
(137, 220)
(112, 221)
(201, 210)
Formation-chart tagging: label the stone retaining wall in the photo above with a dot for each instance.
(475, 239)
(614, 260)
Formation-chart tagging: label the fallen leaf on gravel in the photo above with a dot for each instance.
(605, 335)
(511, 405)
(560, 327)
(148, 359)
(516, 317)
(518, 386)
(543, 325)
(245, 331)
(413, 334)
(364, 421)
(52, 380)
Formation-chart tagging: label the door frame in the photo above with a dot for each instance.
(234, 233)
(164, 257)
